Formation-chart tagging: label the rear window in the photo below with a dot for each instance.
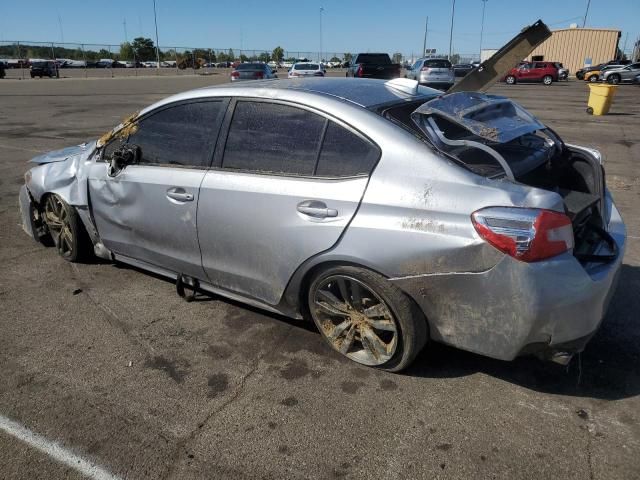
(437, 63)
(379, 58)
(345, 154)
(306, 66)
(249, 66)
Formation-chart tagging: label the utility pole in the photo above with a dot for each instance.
(124, 24)
(155, 19)
(484, 4)
(320, 53)
(584, 22)
(61, 31)
(453, 11)
(424, 44)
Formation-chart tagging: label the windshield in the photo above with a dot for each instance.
(249, 66)
(306, 66)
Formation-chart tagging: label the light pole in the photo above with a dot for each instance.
(584, 22)
(320, 53)
(424, 44)
(155, 19)
(453, 11)
(484, 4)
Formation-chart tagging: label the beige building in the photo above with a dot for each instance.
(575, 47)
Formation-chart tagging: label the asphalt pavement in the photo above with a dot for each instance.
(108, 366)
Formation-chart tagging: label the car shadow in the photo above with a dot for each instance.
(607, 369)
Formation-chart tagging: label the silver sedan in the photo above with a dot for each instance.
(389, 214)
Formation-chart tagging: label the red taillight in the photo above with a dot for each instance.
(526, 234)
(259, 75)
(235, 74)
(359, 72)
(425, 69)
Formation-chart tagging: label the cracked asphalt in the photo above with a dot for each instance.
(110, 363)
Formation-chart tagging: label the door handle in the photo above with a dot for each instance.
(179, 194)
(316, 209)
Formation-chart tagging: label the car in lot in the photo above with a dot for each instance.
(388, 213)
(620, 74)
(532, 72)
(306, 70)
(461, 69)
(252, 71)
(593, 76)
(47, 68)
(581, 73)
(563, 73)
(433, 72)
(373, 65)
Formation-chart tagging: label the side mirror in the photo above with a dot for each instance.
(125, 155)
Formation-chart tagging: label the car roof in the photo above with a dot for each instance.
(365, 92)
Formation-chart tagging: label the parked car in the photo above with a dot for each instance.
(433, 72)
(44, 69)
(461, 69)
(594, 75)
(2, 69)
(374, 65)
(545, 72)
(390, 214)
(563, 73)
(252, 71)
(615, 75)
(581, 73)
(306, 70)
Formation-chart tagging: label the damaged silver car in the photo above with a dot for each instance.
(390, 214)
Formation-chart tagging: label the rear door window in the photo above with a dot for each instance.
(273, 138)
(345, 154)
(437, 63)
(180, 135)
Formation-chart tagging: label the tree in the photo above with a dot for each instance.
(264, 57)
(348, 57)
(243, 58)
(231, 56)
(144, 48)
(126, 51)
(334, 60)
(278, 54)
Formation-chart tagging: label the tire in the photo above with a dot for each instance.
(580, 76)
(614, 79)
(593, 78)
(66, 229)
(590, 110)
(395, 325)
(510, 80)
(547, 79)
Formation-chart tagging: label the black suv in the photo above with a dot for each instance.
(42, 69)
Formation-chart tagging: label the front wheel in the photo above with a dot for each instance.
(511, 80)
(66, 229)
(547, 79)
(367, 319)
(593, 78)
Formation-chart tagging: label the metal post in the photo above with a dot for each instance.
(155, 19)
(484, 4)
(584, 22)
(209, 68)
(175, 54)
(424, 44)
(320, 52)
(193, 60)
(21, 63)
(112, 61)
(84, 58)
(453, 11)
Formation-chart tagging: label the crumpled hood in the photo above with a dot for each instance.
(65, 153)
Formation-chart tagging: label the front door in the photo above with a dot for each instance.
(147, 210)
(287, 184)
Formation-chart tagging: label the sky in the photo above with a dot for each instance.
(347, 25)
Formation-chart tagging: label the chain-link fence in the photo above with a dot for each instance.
(131, 59)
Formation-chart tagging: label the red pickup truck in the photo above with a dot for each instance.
(545, 72)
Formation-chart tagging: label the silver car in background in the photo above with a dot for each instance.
(306, 70)
(620, 74)
(433, 72)
(252, 71)
(388, 213)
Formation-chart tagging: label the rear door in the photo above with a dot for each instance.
(284, 187)
(147, 211)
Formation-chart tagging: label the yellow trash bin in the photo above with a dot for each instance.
(600, 98)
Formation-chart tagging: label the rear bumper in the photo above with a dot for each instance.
(516, 307)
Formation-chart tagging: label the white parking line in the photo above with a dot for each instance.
(55, 450)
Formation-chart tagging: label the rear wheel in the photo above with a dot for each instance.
(614, 79)
(366, 318)
(547, 79)
(511, 80)
(66, 229)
